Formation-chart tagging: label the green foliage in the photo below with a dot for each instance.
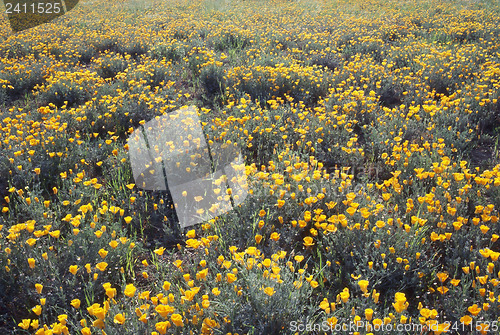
(173, 53)
(213, 83)
(20, 78)
(111, 66)
(230, 41)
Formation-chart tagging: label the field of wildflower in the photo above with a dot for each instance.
(370, 135)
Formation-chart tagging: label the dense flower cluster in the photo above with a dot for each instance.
(370, 135)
